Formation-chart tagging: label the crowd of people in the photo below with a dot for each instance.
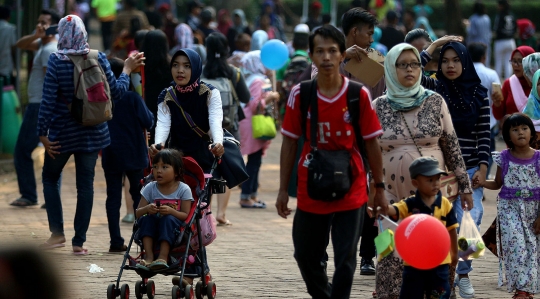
(437, 111)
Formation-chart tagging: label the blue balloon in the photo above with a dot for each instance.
(274, 54)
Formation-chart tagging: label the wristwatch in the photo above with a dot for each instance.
(380, 185)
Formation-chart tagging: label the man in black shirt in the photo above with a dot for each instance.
(391, 36)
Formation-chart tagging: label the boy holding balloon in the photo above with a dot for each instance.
(427, 249)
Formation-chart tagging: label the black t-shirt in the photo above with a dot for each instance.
(154, 19)
(391, 37)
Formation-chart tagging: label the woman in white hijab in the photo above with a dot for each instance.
(416, 122)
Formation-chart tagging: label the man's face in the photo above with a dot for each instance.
(326, 55)
(44, 21)
(361, 35)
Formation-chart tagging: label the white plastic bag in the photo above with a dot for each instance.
(470, 243)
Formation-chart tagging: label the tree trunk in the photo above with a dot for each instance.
(453, 18)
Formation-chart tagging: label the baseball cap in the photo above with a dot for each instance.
(301, 28)
(426, 166)
(316, 5)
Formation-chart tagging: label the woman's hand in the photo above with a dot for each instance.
(152, 209)
(441, 41)
(467, 201)
(446, 39)
(154, 149)
(51, 147)
(133, 62)
(217, 149)
(497, 99)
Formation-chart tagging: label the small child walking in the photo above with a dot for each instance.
(518, 209)
(426, 178)
(168, 171)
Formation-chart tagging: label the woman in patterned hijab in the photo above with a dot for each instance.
(73, 37)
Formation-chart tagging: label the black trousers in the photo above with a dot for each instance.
(106, 34)
(369, 232)
(311, 235)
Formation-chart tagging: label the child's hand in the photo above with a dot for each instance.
(454, 257)
(165, 210)
(536, 226)
(152, 209)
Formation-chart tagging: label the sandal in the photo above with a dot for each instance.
(143, 265)
(158, 265)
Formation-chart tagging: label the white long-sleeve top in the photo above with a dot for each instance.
(215, 118)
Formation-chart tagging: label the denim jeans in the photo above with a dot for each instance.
(311, 234)
(464, 267)
(253, 165)
(494, 133)
(114, 199)
(433, 283)
(85, 164)
(22, 157)
(159, 228)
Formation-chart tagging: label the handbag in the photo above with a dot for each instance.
(231, 165)
(263, 125)
(329, 172)
(490, 237)
(449, 183)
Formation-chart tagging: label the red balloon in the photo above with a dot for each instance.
(422, 241)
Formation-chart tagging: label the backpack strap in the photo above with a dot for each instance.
(308, 90)
(353, 104)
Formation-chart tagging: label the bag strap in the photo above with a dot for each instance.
(410, 133)
(353, 105)
(186, 115)
(308, 90)
(314, 114)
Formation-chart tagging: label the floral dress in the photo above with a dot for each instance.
(517, 209)
(433, 131)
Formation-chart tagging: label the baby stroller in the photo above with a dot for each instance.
(188, 255)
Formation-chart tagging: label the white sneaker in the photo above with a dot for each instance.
(465, 288)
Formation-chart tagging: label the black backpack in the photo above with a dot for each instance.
(308, 90)
(296, 67)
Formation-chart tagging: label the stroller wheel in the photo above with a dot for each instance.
(211, 290)
(111, 291)
(189, 292)
(198, 290)
(150, 289)
(139, 289)
(124, 291)
(176, 293)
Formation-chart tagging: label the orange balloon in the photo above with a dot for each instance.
(422, 241)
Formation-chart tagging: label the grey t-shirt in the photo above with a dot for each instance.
(37, 76)
(150, 192)
(8, 39)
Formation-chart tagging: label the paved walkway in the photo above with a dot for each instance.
(250, 259)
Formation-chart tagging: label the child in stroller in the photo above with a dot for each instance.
(179, 236)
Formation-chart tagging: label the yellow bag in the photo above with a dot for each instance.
(263, 125)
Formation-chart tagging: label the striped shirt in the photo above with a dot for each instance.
(474, 142)
(55, 120)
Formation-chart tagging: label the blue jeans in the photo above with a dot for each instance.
(26, 142)
(311, 234)
(464, 267)
(114, 199)
(85, 164)
(433, 283)
(494, 133)
(253, 165)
